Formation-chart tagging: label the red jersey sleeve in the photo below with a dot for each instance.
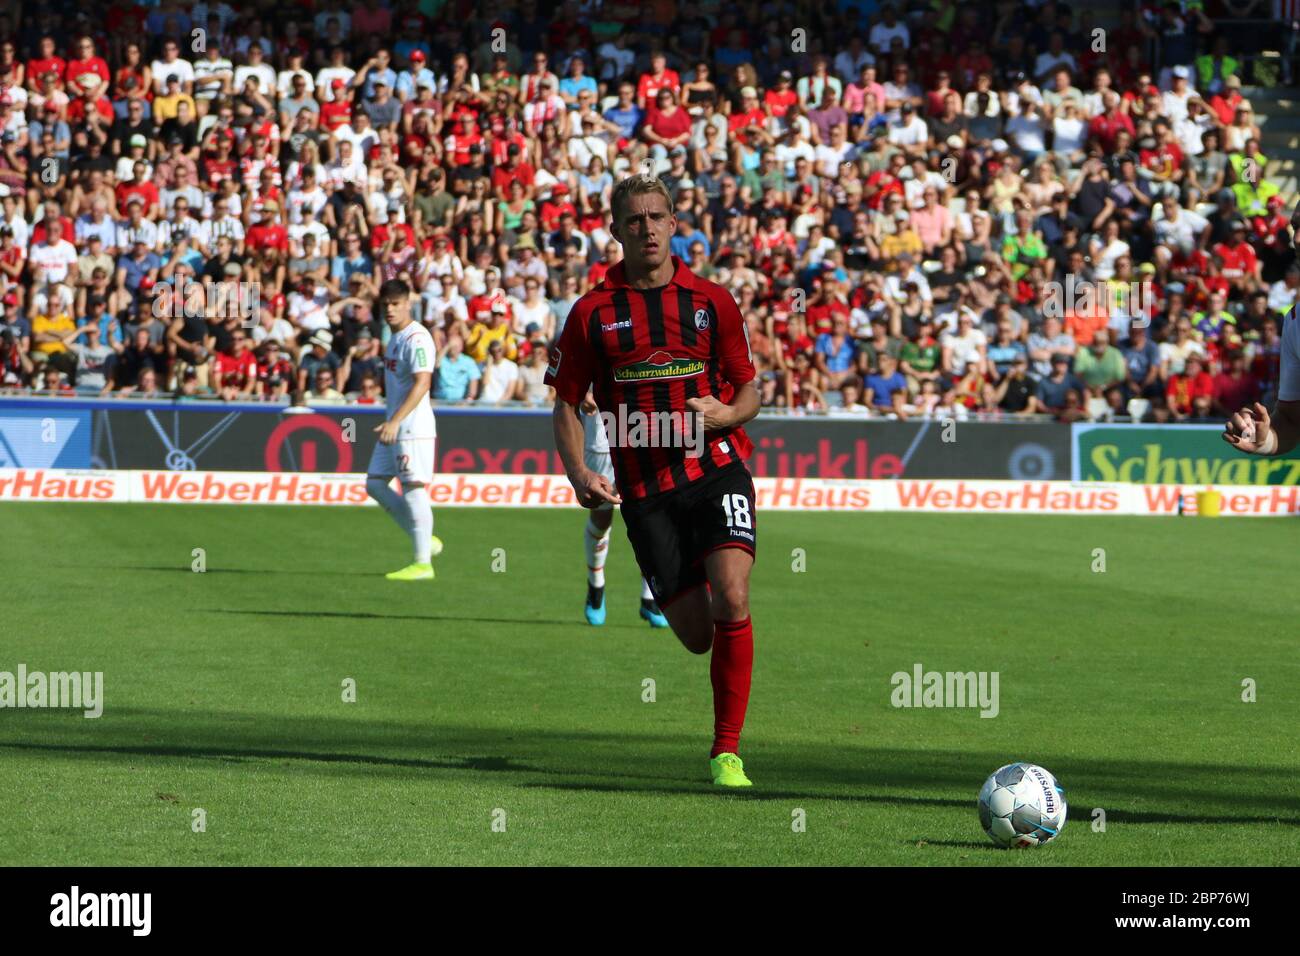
(733, 339)
(572, 365)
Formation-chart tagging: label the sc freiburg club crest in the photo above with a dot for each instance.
(701, 319)
(658, 366)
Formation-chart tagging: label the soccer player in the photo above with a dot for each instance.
(655, 340)
(1254, 430)
(406, 438)
(595, 538)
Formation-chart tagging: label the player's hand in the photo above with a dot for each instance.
(589, 406)
(1248, 429)
(712, 412)
(594, 490)
(387, 432)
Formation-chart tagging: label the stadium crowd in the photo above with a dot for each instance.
(935, 209)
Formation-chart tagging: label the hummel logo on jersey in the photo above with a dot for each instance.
(660, 365)
(615, 326)
(701, 319)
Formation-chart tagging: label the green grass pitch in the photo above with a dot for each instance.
(485, 691)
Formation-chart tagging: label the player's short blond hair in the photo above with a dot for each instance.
(637, 185)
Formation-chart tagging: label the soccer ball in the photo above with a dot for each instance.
(1022, 805)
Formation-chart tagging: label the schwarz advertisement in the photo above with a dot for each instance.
(169, 437)
(1172, 454)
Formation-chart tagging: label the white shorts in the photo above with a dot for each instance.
(410, 459)
(600, 463)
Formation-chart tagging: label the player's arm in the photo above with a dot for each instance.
(1254, 430)
(421, 382)
(737, 366)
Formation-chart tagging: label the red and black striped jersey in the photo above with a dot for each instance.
(644, 353)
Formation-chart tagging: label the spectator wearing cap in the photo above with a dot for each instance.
(514, 169)
(334, 82)
(1142, 364)
(166, 105)
(1226, 101)
(319, 354)
(383, 109)
(909, 132)
(416, 74)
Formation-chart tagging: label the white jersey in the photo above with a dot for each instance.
(595, 441)
(409, 351)
(1288, 386)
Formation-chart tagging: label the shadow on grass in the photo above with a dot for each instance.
(579, 760)
(574, 621)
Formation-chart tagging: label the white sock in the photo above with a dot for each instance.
(596, 543)
(646, 594)
(390, 501)
(417, 499)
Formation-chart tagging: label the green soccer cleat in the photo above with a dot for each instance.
(412, 572)
(435, 546)
(729, 771)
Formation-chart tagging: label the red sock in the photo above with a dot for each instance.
(729, 669)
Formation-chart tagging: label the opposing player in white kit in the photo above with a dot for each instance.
(1254, 430)
(596, 537)
(407, 436)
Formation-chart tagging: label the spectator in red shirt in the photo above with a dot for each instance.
(338, 111)
(139, 185)
(466, 135)
(513, 170)
(1241, 267)
(779, 100)
(667, 125)
(268, 233)
(749, 114)
(1107, 125)
(87, 63)
(659, 78)
(236, 373)
(1224, 105)
(555, 207)
(1191, 394)
(1235, 387)
(46, 62)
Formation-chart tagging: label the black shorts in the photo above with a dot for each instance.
(672, 533)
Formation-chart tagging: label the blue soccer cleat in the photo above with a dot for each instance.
(650, 612)
(595, 609)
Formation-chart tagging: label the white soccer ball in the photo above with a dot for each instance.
(1022, 805)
